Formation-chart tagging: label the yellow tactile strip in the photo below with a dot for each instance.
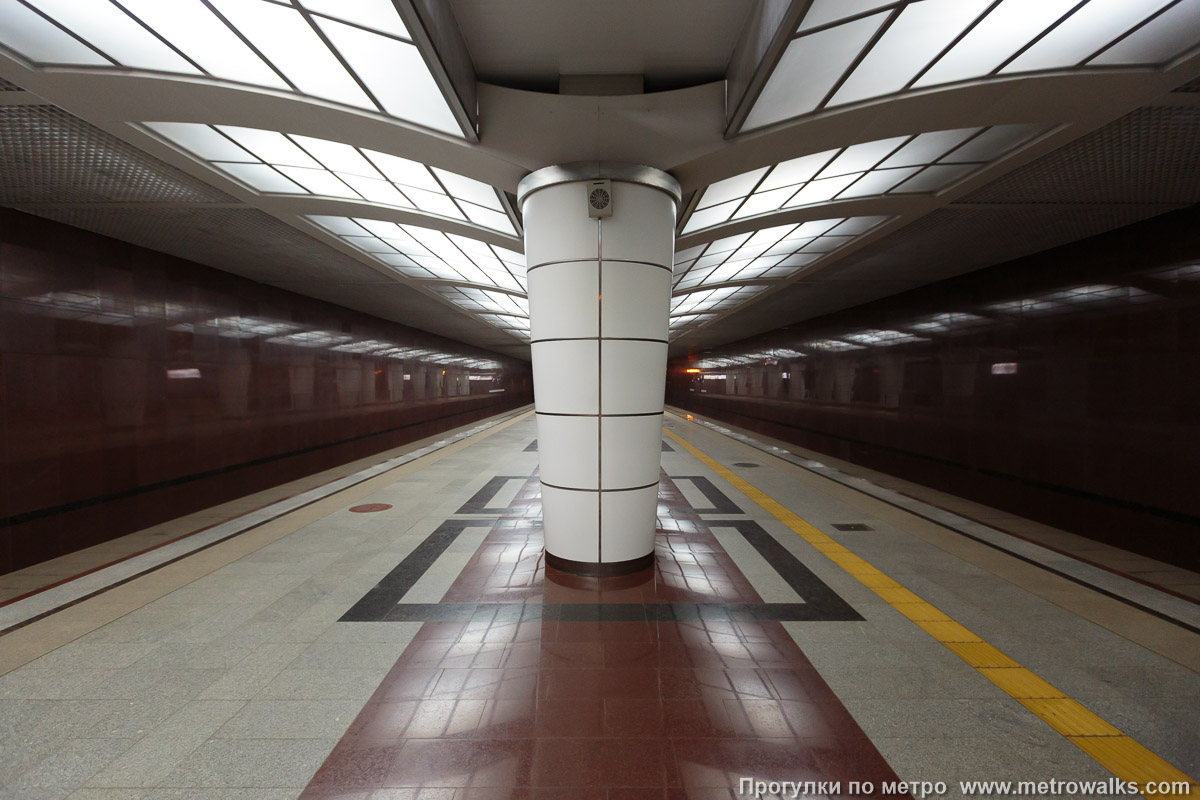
(1112, 749)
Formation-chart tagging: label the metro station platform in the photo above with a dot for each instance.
(390, 630)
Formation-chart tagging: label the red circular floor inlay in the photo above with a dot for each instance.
(367, 508)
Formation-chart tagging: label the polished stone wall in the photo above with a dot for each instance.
(136, 387)
(1063, 386)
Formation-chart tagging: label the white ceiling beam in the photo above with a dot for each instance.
(111, 96)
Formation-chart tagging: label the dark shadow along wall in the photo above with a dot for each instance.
(1064, 386)
(136, 387)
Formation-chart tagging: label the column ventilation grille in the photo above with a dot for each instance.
(599, 194)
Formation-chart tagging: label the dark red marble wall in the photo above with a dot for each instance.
(1064, 386)
(136, 387)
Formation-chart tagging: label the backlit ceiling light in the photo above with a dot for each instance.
(489, 282)
(425, 254)
(772, 255)
(925, 163)
(277, 163)
(359, 54)
(847, 51)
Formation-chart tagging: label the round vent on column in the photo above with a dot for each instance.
(599, 197)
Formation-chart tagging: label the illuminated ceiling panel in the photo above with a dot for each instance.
(357, 53)
(921, 164)
(849, 51)
(508, 312)
(723, 298)
(716, 278)
(276, 163)
(489, 282)
(426, 254)
(768, 255)
(682, 322)
(486, 281)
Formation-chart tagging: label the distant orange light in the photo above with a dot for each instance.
(690, 418)
(692, 370)
(443, 372)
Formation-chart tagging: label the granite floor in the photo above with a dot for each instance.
(402, 638)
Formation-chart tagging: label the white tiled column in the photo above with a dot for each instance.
(599, 298)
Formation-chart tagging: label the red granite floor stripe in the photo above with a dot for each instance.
(521, 710)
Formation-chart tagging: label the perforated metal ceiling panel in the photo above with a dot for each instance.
(1148, 156)
(51, 156)
(955, 240)
(240, 240)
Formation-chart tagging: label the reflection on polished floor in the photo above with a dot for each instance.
(526, 676)
(401, 637)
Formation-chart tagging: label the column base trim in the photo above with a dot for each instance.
(599, 491)
(600, 569)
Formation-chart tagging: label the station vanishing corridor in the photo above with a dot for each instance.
(543, 400)
(395, 633)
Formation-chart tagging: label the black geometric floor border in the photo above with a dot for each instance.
(478, 504)
(384, 602)
(375, 604)
(721, 504)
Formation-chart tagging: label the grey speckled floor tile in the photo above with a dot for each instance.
(371, 632)
(323, 684)
(254, 672)
(25, 719)
(86, 654)
(217, 793)
(982, 758)
(199, 718)
(32, 683)
(66, 769)
(146, 763)
(334, 655)
(108, 794)
(291, 719)
(252, 763)
(934, 718)
(136, 718)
